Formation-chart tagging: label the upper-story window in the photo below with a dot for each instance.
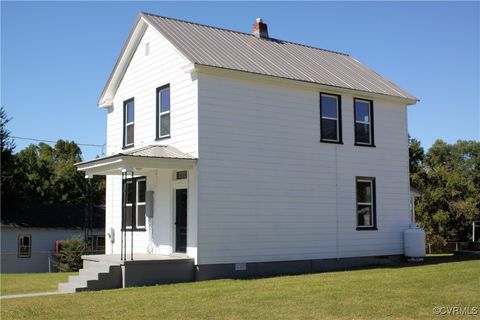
(330, 118)
(163, 112)
(363, 122)
(366, 218)
(128, 122)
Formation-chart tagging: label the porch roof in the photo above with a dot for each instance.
(138, 160)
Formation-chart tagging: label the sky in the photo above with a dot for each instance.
(57, 56)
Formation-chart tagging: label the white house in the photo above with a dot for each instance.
(29, 239)
(256, 155)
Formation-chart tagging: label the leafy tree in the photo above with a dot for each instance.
(8, 163)
(449, 176)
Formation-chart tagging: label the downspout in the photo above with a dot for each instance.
(336, 205)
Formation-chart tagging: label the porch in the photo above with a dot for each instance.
(151, 204)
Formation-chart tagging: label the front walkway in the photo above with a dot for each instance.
(29, 295)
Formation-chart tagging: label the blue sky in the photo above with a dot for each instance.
(57, 56)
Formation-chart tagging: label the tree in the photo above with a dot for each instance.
(8, 163)
(449, 176)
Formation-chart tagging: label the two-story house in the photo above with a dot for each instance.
(250, 155)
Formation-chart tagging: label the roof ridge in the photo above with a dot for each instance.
(241, 32)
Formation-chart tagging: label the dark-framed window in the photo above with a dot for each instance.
(365, 206)
(128, 123)
(24, 245)
(363, 113)
(134, 201)
(163, 112)
(330, 118)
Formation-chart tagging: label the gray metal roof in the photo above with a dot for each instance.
(211, 46)
(158, 152)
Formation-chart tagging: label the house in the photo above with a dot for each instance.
(248, 155)
(29, 237)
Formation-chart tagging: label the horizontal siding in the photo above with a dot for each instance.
(162, 66)
(270, 191)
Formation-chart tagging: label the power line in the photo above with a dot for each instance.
(50, 141)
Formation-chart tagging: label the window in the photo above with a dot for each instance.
(128, 122)
(363, 122)
(366, 218)
(163, 112)
(134, 195)
(181, 175)
(330, 118)
(24, 246)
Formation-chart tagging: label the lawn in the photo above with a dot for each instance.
(15, 283)
(389, 292)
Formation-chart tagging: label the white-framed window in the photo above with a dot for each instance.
(163, 112)
(330, 118)
(363, 110)
(128, 122)
(135, 195)
(24, 246)
(366, 216)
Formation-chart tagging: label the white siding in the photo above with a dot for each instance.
(42, 248)
(270, 191)
(144, 74)
(163, 65)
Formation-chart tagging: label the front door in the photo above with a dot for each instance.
(181, 220)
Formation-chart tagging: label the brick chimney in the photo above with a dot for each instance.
(260, 29)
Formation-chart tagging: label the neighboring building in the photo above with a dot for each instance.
(250, 150)
(29, 240)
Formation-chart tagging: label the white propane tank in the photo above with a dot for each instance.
(414, 240)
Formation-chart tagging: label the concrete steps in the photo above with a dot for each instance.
(94, 276)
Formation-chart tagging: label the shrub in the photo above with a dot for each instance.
(69, 258)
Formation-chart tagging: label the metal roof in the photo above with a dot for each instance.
(161, 152)
(211, 46)
(158, 152)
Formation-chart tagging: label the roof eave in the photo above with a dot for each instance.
(123, 60)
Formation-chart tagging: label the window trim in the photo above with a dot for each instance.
(134, 206)
(159, 113)
(19, 254)
(125, 124)
(338, 119)
(371, 123)
(373, 203)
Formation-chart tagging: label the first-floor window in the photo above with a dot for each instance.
(366, 218)
(134, 195)
(24, 246)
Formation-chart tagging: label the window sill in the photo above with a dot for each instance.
(127, 147)
(366, 228)
(24, 257)
(328, 141)
(162, 138)
(134, 230)
(365, 145)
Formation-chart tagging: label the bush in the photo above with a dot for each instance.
(69, 258)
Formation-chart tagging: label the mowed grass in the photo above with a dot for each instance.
(402, 292)
(16, 283)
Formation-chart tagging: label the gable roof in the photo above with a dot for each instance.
(221, 48)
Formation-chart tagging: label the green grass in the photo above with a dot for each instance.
(15, 283)
(402, 292)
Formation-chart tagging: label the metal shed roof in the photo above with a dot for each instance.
(216, 47)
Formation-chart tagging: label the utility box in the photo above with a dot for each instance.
(414, 242)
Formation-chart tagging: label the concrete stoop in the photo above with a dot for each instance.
(94, 276)
(110, 272)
